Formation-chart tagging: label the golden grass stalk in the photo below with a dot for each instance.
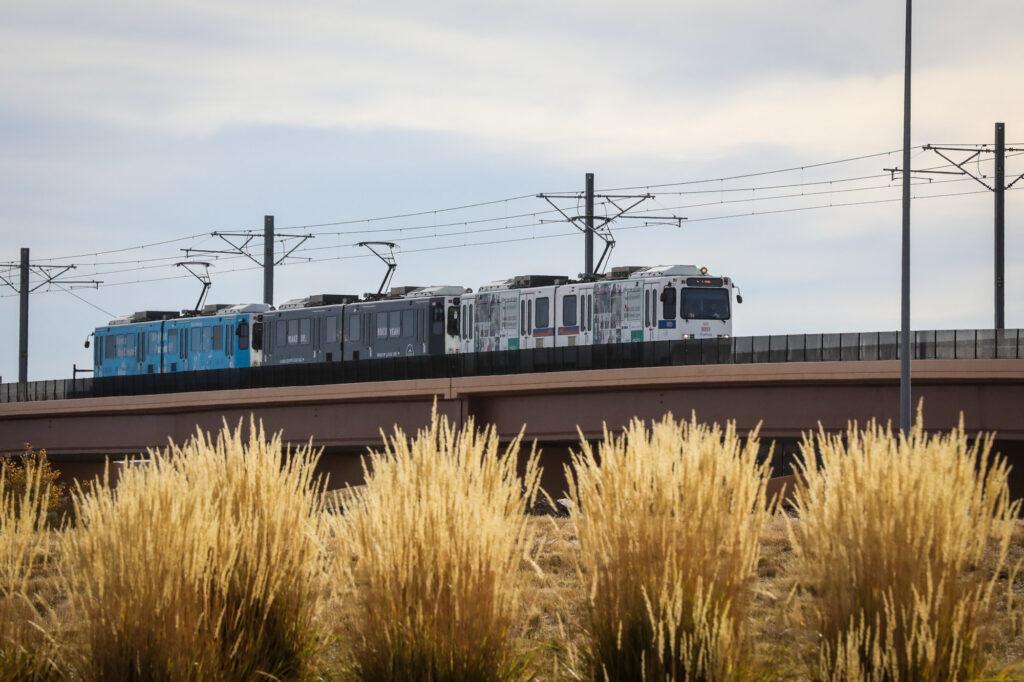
(203, 564)
(27, 649)
(438, 537)
(890, 539)
(668, 518)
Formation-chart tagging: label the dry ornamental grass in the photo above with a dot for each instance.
(438, 537)
(892, 535)
(204, 564)
(668, 519)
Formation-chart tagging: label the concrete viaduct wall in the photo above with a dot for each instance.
(786, 398)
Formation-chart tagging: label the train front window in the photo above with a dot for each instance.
(705, 304)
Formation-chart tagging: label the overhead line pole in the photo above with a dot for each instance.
(588, 218)
(23, 292)
(1000, 225)
(268, 259)
(905, 348)
(50, 275)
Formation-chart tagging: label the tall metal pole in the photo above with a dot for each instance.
(906, 407)
(268, 259)
(1000, 188)
(589, 217)
(23, 320)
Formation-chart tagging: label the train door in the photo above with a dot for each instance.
(652, 295)
(540, 317)
(574, 315)
(668, 311)
(465, 320)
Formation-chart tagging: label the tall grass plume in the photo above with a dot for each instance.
(437, 538)
(204, 563)
(890, 539)
(668, 518)
(27, 647)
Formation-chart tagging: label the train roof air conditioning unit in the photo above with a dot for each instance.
(530, 281)
(317, 300)
(668, 271)
(442, 290)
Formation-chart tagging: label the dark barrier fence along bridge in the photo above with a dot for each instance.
(969, 344)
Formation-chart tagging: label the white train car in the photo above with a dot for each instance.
(630, 304)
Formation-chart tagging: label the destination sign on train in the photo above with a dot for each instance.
(703, 281)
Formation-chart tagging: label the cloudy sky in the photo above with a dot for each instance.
(130, 123)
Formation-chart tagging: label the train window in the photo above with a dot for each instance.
(172, 342)
(408, 323)
(569, 310)
(395, 324)
(668, 303)
(183, 345)
(110, 348)
(293, 332)
(529, 316)
(196, 340)
(522, 318)
(647, 308)
(218, 338)
(590, 312)
(243, 335)
(331, 329)
(382, 325)
(353, 328)
(304, 331)
(472, 319)
(542, 320)
(153, 342)
(280, 334)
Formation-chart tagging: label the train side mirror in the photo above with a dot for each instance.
(87, 343)
(739, 298)
(257, 335)
(453, 320)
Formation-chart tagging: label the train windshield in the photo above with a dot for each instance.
(705, 304)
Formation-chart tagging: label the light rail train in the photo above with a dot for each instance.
(629, 304)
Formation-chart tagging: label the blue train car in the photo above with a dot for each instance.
(219, 338)
(156, 342)
(130, 345)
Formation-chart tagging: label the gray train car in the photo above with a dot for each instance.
(331, 328)
(305, 330)
(423, 321)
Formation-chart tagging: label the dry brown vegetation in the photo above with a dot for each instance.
(436, 538)
(222, 559)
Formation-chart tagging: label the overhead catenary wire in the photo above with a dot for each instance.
(569, 234)
(144, 264)
(467, 206)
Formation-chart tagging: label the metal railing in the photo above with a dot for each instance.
(968, 344)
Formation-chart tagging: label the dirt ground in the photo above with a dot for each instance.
(778, 647)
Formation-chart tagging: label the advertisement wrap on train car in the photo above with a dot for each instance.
(628, 305)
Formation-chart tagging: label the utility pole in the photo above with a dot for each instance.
(23, 318)
(996, 184)
(588, 260)
(268, 259)
(905, 398)
(50, 275)
(240, 245)
(1000, 224)
(621, 205)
